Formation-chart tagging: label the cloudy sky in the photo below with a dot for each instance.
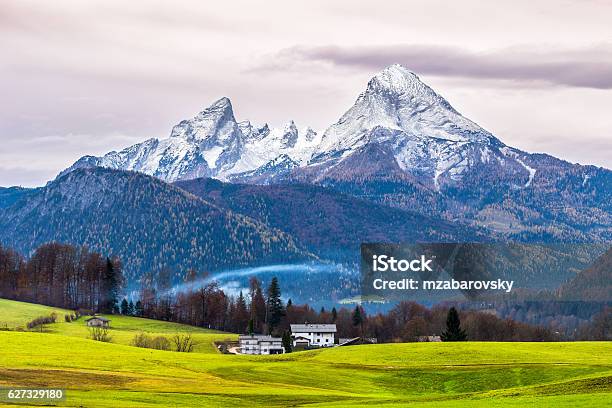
(85, 77)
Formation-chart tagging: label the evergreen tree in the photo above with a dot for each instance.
(138, 309)
(359, 317)
(453, 330)
(131, 310)
(334, 313)
(124, 307)
(241, 316)
(251, 328)
(287, 342)
(289, 303)
(111, 285)
(258, 304)
(275, 305)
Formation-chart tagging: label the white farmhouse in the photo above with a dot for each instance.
(260, 344)
(309, 335)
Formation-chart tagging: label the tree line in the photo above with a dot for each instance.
(262, 310)
(63, 276)
(74, 277)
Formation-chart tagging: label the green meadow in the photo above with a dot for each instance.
(471, 374)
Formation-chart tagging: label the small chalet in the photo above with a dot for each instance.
(426, 339)
(313, 335)
(260, 344)
(98, 321)
(353, 341)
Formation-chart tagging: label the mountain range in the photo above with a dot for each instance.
(212, 144)
(400, 145)
(421, 132)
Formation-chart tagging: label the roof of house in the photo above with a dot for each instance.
(104, 319)
(259, 337)
(309, 328)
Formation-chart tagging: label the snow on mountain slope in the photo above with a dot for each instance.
(295, 144)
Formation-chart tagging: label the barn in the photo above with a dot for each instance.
(98, 321)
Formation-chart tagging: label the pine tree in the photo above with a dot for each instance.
(131, 309)
(453, 330)
(287, 342)
(359, 318)
(251, 328)
(274, 305)
(138, 309)
(334, 313)
(258, 304)
(241, 316)
(111, 285)
(124, 307)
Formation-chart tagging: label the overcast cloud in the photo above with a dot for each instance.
(589, 67)
(85, 77)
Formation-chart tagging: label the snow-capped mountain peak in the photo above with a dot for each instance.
(398, 81)
(290, 134)
(253, 133)
(215, 125)
(397, 99)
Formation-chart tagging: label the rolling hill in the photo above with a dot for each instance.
(15, 315)
(593, 283)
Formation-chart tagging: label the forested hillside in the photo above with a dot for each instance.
(148, 223)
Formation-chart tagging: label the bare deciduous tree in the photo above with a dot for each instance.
(99, 334)
(183, 343)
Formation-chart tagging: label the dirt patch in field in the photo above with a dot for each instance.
(60, 378)
(583, 385)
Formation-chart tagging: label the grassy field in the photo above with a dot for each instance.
(390, 375)
(17, 314)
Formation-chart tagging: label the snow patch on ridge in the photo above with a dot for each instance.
(509, 152)
(531, 171)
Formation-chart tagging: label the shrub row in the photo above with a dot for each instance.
(42, 320)
(180, 342)
(70, 317)
(146, 341)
